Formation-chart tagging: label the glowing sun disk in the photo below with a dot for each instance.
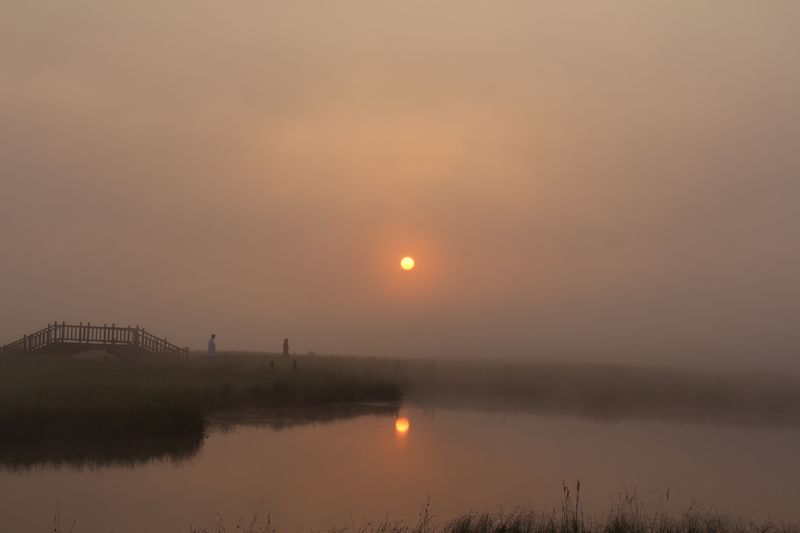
(407, 263)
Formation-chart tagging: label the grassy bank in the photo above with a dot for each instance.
(617, 521)
(43, 397)
(55, 396)
(626, 517)
(592, 390)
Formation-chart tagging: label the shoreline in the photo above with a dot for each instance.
(45, 397)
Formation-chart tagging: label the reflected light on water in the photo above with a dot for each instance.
(401, 425)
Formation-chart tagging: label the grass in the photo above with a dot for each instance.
(44, 397)
(627, 516)
(617, 521)
(89, 453)
(592, 390)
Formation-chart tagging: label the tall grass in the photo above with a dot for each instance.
(592, 390)
(48, 397)
(45, 397)
(627, 516)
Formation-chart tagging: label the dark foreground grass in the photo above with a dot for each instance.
(617, 521)
(43, 397)
(626, 517)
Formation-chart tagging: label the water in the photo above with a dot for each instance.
(350, 468)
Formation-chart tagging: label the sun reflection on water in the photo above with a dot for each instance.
(401, 425)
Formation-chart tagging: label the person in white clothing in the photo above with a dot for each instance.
(212, 345)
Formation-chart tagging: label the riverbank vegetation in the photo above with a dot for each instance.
(627, 516)
(602, 391)
(46, 397)
(118, 397)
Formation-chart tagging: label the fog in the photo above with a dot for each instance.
(602, 183)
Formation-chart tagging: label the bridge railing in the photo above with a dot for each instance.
(88, 334)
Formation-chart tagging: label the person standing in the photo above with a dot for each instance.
(286, 347)
(212, 345)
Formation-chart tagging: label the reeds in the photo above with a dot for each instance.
(47, 397)
(56, 397)
(627, 516)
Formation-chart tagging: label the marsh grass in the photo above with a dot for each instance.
(599, 391)
(627, 516)
(47, 397)
(91, 453)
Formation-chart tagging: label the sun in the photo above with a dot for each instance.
(401, 425)
(407, 263)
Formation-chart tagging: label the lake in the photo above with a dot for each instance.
(311, 471)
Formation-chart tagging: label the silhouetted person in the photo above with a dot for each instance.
(286, 347)
(212, 345)
(294, 364)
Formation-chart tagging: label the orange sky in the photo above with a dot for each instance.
(612, 183)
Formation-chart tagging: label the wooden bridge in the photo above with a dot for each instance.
(56, 337)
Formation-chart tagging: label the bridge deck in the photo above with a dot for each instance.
(113, 335)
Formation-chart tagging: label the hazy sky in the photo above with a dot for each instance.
(580, 181)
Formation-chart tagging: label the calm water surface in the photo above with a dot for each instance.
(358, 469)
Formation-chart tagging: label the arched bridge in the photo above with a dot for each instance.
(56, 337)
